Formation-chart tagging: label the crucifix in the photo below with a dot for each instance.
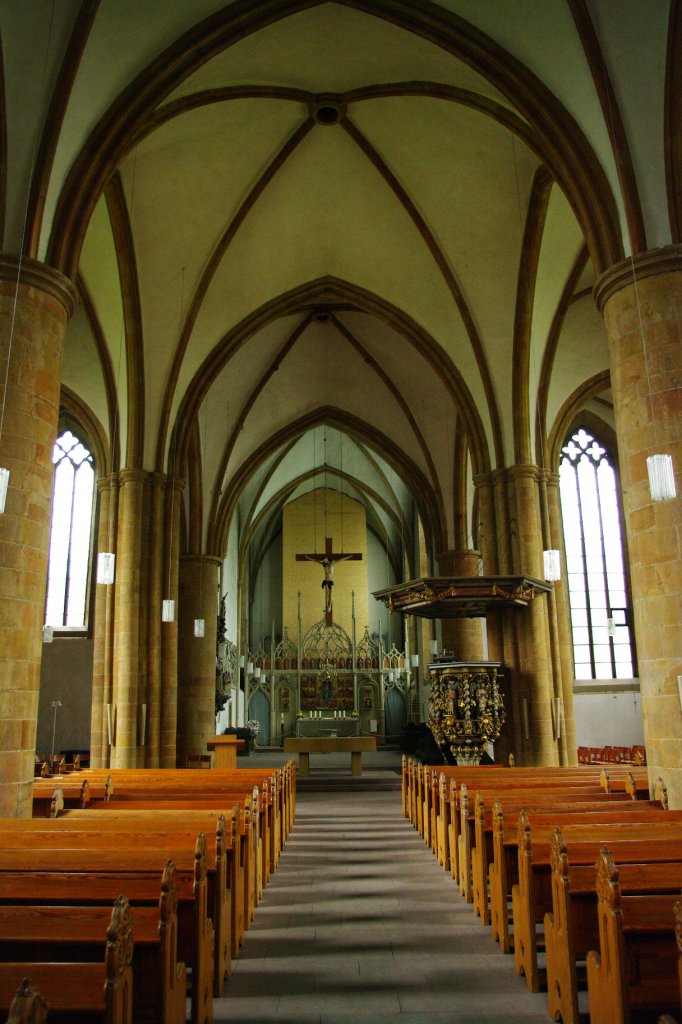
(327, 560)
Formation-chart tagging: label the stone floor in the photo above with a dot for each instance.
(360, 922)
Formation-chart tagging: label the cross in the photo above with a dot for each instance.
(327, 562)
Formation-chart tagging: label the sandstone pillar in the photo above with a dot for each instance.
(169, 630)
(127, 620)
(35, 304)
(464, 637)
(197, 655)
(534, 676)
(641, 300)
(103, 629)
(560, 627)
(157, 490)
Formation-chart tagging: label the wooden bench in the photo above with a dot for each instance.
(92, 874)
(581, 790)
(571, 929)
(635, 969)
(416, 779)
(52, 795)
(28, 1005)
(103, 990)
(570, 811)
(66, 932)
(250, 856)
(532, 894)
(275, 815)
(503, 869)
(223, 845)
(145, 831)
(563, 796)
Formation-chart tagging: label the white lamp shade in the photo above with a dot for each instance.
(552, 561)
(242, 661)
(106, 563)
(249, 668)
(199, 627)
(415, 661)
(258, 671)
(661, 477)
(48, 634)
(168, 610)
(433, 646)
(4, 482)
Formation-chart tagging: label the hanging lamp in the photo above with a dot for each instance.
(552, 564)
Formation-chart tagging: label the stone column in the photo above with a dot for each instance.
(560, 625)
(644, 327)
(127, 619)
(197, 655)
(35, 304)
(103, 630)
(534, 679)
(157, 489)
(169, 630)
(464, 637)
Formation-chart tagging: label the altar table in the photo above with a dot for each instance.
(304, 746)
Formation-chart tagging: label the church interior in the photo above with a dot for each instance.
(328, 297)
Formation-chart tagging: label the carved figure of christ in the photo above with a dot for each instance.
(327, 560)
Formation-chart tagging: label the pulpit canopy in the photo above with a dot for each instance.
(450, 597)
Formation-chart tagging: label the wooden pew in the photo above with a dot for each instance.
(93, 874)
(54, 794)
(87, 830)
(570, 811)
(416, 778)
(28, 1005)
(250, 846)
(226, 897)
(103, 989)
(555, 795)
(231, 785)
(572, 929)
(635, 969)
(503, 868)
(580, 788)
(47, 932)
(532, 894)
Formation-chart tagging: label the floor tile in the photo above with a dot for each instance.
(360, 923)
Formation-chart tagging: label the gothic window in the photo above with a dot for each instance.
(598, 593)
(70, 534)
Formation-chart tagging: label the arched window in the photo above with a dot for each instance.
(70, 534)
(600, 613)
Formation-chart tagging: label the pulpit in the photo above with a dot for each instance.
(225, 750)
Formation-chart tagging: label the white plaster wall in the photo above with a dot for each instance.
(608, 714)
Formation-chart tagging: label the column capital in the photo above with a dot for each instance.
(34, 274)
(132, 476)
(523, 471)
(666, 260)
(200, 559)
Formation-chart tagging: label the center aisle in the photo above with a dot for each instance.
(359, 921)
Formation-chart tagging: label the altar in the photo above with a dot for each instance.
(304, 746)
(328, 726)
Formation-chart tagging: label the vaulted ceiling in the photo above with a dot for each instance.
(355, 239)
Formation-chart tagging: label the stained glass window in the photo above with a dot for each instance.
(598, 593)
(70, 534)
